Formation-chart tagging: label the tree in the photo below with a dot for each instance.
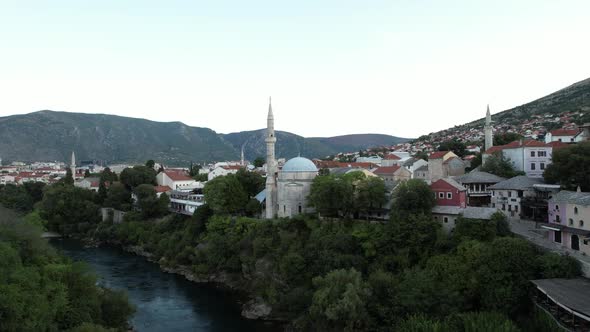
(133, 177)
(324, 171)
(454, 145)
(331, 195)
(570, 167)
(421, 155)
(194, 170)
(251, 182)
(225, 195)
(69, 179)
(500, 165)
(259, 162)
(412, 197)
(118, 197)
(339, 301)
(86, 173)
(69, 209)
(370, 194)
(149, 203)
(505, 138)
(150, 164)
(108, 176)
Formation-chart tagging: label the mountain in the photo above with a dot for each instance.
(290, 145)
(49, 135)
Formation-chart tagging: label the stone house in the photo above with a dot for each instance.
(569, 220)
(393, 173)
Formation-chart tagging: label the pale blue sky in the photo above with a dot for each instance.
(403, 68)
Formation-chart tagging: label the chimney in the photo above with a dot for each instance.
(579, 189)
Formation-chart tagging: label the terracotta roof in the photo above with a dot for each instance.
(162, 189)
(337, 164)
(385, 170)
(451, 182)
(391, 157)
(517, 144)
(557, 145)
(564, 132)
(177, 175)
(232, 167)
(438, 154)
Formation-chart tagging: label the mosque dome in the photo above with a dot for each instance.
(299, 164)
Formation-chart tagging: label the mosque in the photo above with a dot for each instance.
(286, 189)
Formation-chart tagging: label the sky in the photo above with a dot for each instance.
(332, 67)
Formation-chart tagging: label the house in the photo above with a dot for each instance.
(90, 183)
(442, 164)
(412, 164)
(393, 173)
(175, 179)
(529, 156)
(584, 134)
(6, 178)
(473, 149)
(186, 201)
(561, 135)
(390, 160)
(162, 190)
(507, 195)
(569, 220)
(223, 170)
(422, 173)
(371, 159)
(477, 184)
(451, 202)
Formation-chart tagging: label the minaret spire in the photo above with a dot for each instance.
(271, 187)
(488, 130)
(242, 161)
(73, 165)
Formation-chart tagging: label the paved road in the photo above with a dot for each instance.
(538, 236)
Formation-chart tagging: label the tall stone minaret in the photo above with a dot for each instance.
(242, 160)
(488, 130)
(271, 186)
(73, 165)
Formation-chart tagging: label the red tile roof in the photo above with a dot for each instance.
(337, 164)
(386, 170)
(564, 132)
(391, 157)
(232, 167)
(177, 175)
(162, 189)
(517, 144)
(557, 145)
(438, 154)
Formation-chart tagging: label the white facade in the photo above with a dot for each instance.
(175, 181)
(221, 171)
(531, 160)
(293, 187)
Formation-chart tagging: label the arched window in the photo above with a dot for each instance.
(557, 207)
(581, 223)
(571, 222)
(557, 219)
(446, 219)
(575, 210)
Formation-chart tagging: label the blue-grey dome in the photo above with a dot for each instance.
(299, 164)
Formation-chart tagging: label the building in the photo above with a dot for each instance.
(442, 164)
(186, 201)
(529, 156)
(508, 194)
(393, 173)
(477, 184)
(286, 190)
(412, 164)
(422, 173)
(90, 183)
(584, 134)
(223, 170)
(561, 135)
(390, 160)
(569, 220)
(567, 300)
(175, 179)
(488, 130)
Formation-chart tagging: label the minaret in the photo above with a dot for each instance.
(242, 161)
(271, 186)
(73, 165)
(488, 130)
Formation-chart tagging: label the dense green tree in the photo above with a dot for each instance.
(203, 177)
(259, 162)
(108, 176)
(500, 165)
(553, 265)
(505, 138)
(69, 179)
(133, 177)
(331, 195)
(86, 173)
(370, 193)
(69, 209)
(474, 229)
(412, 197)
(421, 155)
(225, 195)
(118, 197)
(16, 197)
(324, 171)
(194, 169)
(454, 145)
(570, 167)
(251, 182)
(339, 302)
(35, 190)
(150, 164)
(149, 203)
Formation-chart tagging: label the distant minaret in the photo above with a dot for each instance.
(242, 161)
(488, 129)
(73, 165)
(0, 161)
(270, 164)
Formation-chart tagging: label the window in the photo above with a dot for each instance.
(542, 154)
(503, 207)
(441, 195)
(571, 221)
(449, 195)
(581, 223)
(509, 207)
(516, 208)
(299, 208)
(575, 210)
(542, 166)
(557, 207)
(493, 205)
(446, 220)
(435, 218)
(532, 153)
(557, 219)
(533, 166)
(557, 236)
(510, 194)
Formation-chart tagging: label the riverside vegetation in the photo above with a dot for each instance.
(334, 273)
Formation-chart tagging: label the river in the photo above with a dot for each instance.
(164, 301)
